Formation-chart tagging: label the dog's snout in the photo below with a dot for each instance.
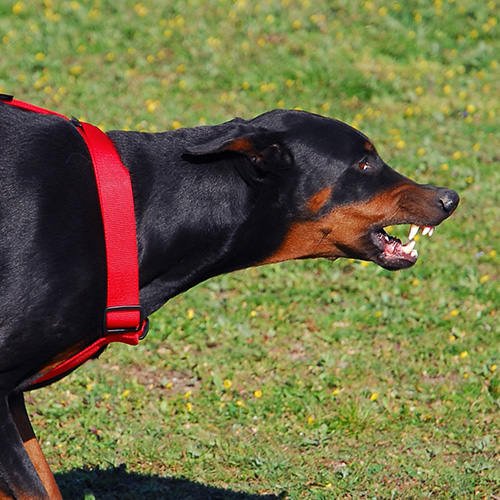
(449, 200)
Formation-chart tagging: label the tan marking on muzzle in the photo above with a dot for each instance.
(346, 226)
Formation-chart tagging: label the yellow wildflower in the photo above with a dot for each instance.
(18, 8)
(76, 70)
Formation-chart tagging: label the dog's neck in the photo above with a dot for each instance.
(212, 226)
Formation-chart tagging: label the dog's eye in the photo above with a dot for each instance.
(364, 165)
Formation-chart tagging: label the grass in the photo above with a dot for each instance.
(308, 380)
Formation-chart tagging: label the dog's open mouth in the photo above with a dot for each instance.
(393, 254)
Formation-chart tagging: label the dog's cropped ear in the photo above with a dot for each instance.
(262, 147)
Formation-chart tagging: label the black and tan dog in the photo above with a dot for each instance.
(208, 200)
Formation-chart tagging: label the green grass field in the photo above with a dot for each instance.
(305, 380)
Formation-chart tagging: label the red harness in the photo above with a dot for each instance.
(124, 319)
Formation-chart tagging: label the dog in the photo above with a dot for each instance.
(208, 200)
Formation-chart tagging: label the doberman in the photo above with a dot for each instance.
(208, 200)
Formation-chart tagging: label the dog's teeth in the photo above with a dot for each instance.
(427, 230)
(414, 253)
(413, 231)
(408, 248)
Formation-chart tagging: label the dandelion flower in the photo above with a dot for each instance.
(76, 70)
(18, 8)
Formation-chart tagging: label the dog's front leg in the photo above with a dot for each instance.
(23, 468)
(23, 424)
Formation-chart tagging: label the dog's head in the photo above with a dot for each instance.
(331, 191)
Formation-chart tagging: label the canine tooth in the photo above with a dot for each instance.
(414, 253)
(431, 231)
(413, 231)
(408, 248)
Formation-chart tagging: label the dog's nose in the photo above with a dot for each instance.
(449, 200)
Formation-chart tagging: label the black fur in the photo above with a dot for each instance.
(205, 204)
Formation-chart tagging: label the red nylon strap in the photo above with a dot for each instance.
(30, 107)
(75, 361)
(117, 207)
(123, 318)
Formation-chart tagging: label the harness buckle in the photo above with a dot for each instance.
(143, 322)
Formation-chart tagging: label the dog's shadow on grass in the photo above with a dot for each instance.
(117, 483)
